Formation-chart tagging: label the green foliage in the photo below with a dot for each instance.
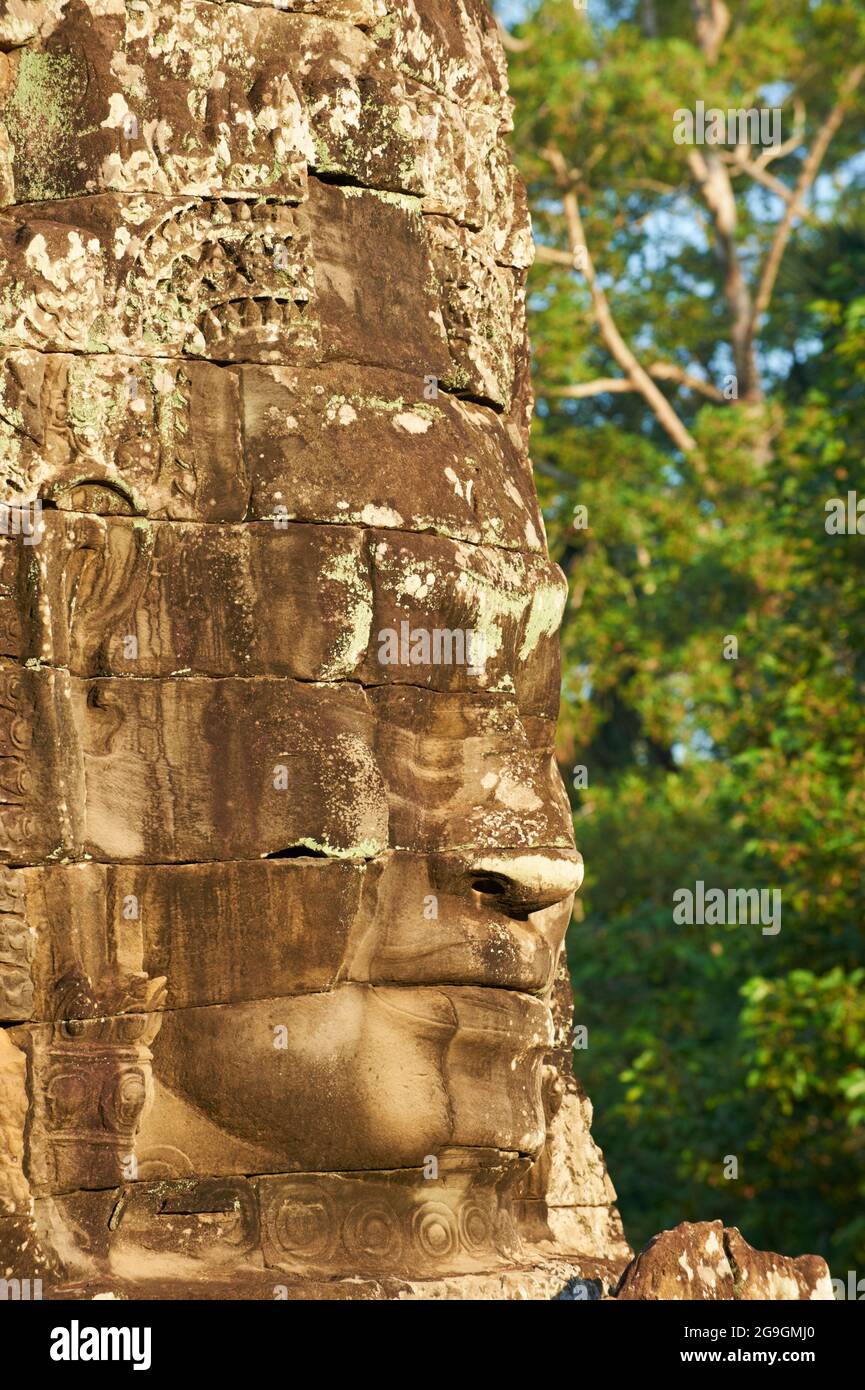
(707, 1041)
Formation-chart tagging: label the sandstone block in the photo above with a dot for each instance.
(705, 1261)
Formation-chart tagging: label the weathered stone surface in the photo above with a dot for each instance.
(155, 99)
(18, 972)
(516, 798)
(329, 767)
(705, 1261)
(500, 918)
(41, 771)
(300, 768)
(231, 932)
(689, 1262)
(386, 1223)
(238, 1089)
(14, 1188)
(261, 1238)
(250, 280)
(441, 465)
(160, 437)
(760, 1274)
(121, 596)
(217, 933)
(567, 1199)
(222, 278)
(483, 307)
(30, 1269)
(123, 435)
(206, 99)
(287, 864)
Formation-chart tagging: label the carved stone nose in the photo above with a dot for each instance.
(524, 883)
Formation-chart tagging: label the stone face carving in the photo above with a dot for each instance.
(287, 864)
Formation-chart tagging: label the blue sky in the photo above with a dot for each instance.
(509, 11)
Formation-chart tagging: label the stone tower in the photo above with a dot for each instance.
(287, 861)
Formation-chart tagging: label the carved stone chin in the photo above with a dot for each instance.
(288, 863)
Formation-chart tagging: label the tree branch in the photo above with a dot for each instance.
(669, 371)
(510, 41)
(773, 152)
(615, 343)
(742, 163)
(810, 169)
(618, 385)
(549, 470)
(649, 19)
(717, 191)
(743, 160)
(551, 255)
(601, 386)
(712, 20)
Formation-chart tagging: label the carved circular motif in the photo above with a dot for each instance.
(475, 1226)
(73, 1027)
(123, 1100)
(18, 779)
(372, 1230)
(163, 1161)
(434, 1229)
(302, 1222)
(236, 1211)
(66, 1097)
(129, 1028)
(21, 731)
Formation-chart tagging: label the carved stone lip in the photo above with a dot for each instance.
(487, 1003)
(388, 1057)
